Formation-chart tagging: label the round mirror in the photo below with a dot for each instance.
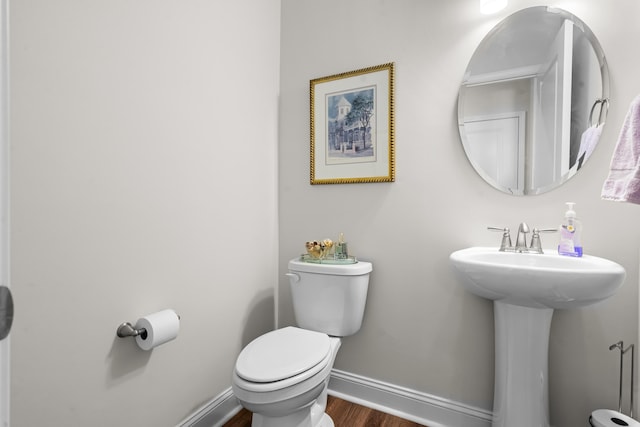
(533, 101)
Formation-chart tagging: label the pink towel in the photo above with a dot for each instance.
(623, 182)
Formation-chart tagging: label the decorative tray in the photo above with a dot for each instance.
(328, 260)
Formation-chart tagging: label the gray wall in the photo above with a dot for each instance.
(143, 156)
(421, 329)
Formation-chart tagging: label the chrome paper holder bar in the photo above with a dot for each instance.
(620, 345)
(127, 330)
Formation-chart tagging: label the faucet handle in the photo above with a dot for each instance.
(536, 243)
(506, 237)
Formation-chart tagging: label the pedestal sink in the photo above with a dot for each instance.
(525, 289)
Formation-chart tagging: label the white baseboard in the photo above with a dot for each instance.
(411, 405)
(215, 413)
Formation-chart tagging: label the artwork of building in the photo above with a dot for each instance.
(346, 134)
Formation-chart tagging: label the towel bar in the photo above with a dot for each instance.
(604, 108)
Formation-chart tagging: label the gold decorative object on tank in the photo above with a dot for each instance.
(319, 249)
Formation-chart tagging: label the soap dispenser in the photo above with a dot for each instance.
(570, 233)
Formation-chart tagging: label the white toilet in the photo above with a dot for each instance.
(282, 376)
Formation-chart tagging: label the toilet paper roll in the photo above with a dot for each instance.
(160, 328)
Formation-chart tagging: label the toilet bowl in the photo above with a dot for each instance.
(609, 418)
(283, 375)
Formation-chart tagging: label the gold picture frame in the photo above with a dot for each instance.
(353, 127)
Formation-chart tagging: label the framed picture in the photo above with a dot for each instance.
(352, 127)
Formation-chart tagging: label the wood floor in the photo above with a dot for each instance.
(343, 413)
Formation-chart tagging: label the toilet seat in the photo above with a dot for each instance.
(282, 358)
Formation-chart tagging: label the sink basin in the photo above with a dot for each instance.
(537, 280)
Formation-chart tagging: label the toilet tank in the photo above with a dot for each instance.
(329, 298)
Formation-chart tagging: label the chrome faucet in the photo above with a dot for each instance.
(521, 239)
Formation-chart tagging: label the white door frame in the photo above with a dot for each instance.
(552, 112)
(500, 139)
(4, 202)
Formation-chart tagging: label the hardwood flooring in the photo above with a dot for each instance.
(344, 414)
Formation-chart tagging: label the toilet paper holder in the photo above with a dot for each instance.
(620, 345)
(127, 330)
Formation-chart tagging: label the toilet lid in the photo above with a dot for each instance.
(281, 354)
(609, 418)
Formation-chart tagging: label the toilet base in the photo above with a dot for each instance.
(313, 416)
(260, 421)
(326, 421)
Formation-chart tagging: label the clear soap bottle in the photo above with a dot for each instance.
(570, 233)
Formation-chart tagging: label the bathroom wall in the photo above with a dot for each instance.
(137, 185)
(421, 330)
(144, 170)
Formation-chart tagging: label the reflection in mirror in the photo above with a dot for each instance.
(533, 101)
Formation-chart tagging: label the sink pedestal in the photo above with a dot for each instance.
(521, 389)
